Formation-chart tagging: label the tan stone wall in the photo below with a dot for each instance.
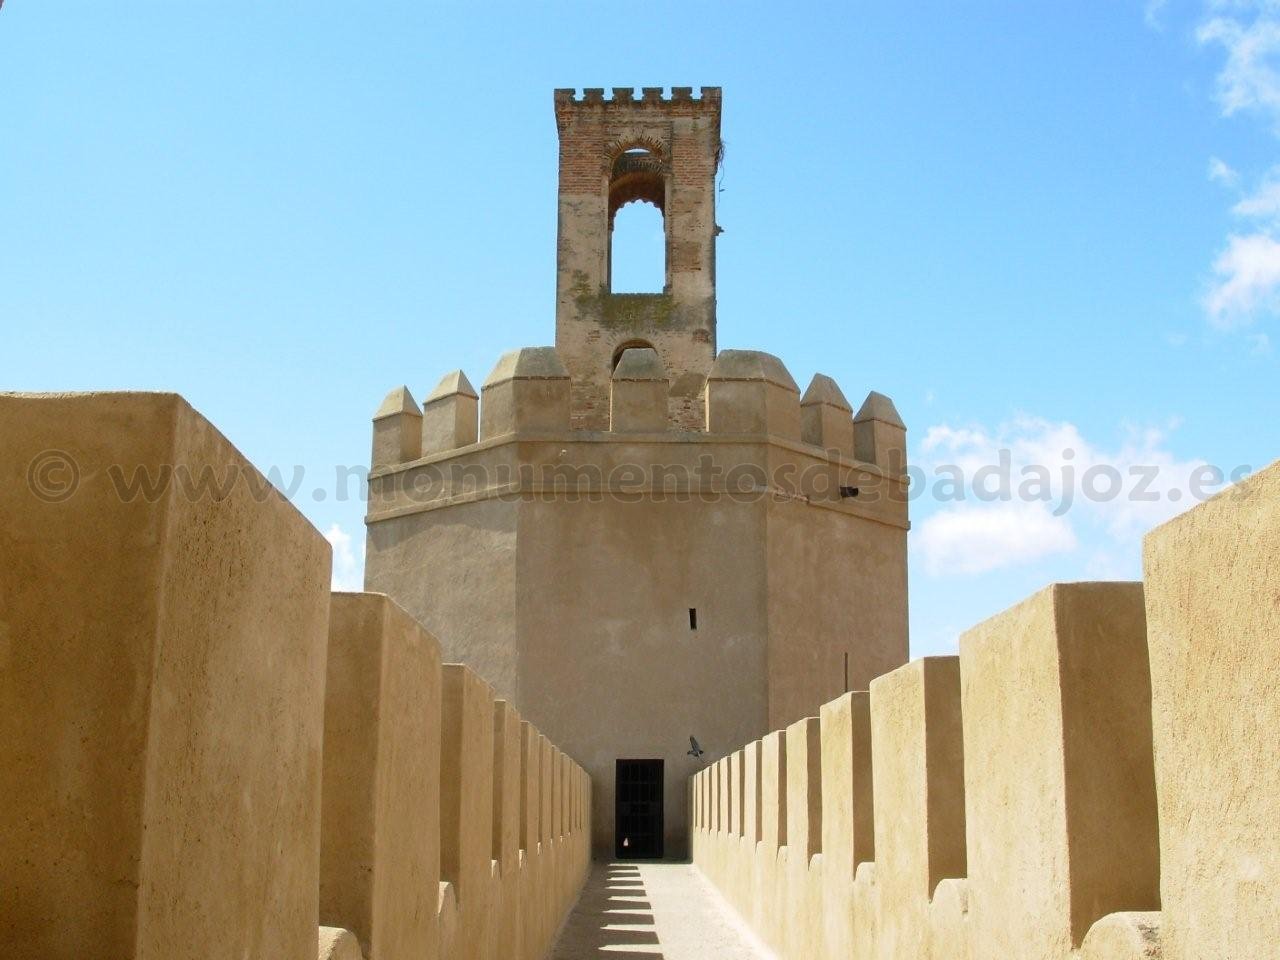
(202, 757)
(380, 843)
(161, 691)
(562, 565)
(608, 663)
(837, 606)
(1003, 803)
(466, 594)
(1213, 610)
(480, 861)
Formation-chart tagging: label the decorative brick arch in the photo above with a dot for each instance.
(642, 178)
(617, 147)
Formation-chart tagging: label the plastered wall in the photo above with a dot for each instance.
(1093, 776)
(562, 565)
(161, 692)
(205, 754)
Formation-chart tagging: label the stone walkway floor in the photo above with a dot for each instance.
(653, 911)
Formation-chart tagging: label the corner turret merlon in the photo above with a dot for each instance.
(397, 430)
(826, 418)
(880, 436)
(450, 415)
(638, 393)
(527, 391)
(751, 392)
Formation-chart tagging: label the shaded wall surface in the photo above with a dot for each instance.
(1093, 776)
(205, 754)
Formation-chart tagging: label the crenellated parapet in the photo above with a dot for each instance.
(755, 422)
(1080, 783)
(751, 392)
(826, 419)
(528, 391)
(397, 430)
(208, 753)
(638, 393)
(449, 415)
(680, 101)
(996, 803)
(879, 435)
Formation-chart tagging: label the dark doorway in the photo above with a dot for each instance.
(638, 816)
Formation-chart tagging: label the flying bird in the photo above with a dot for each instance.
(695, 751)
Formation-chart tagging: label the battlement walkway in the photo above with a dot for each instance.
(654, 911)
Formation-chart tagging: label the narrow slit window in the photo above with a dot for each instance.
(693, 618)
(847, 492)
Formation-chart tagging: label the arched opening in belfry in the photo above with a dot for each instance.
(638, 250)
(630, 344)
(637, 229)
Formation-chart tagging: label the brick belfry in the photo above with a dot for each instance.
(634, 537)
(614, 152)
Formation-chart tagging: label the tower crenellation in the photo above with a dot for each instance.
(519, 431)
(397, 430)
(826, 417)
(449, 415)
(650, 97)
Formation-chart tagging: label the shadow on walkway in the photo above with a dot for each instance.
(653, 911)
(613, 918)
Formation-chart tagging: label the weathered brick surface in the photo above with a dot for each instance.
(683, 136)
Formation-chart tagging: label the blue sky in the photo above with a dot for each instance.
(1038, 227)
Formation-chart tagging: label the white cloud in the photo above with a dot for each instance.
(1246, 272)
(1221, 172)
(1264, 202)
(971, 539)
(1033, 488)
(1249, 79)
(1247, 281)
(1261, 344)
(348, 567)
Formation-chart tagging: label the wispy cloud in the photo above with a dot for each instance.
(1245, 283)
(1034, 488)
(969, 539)
(1250, 39)
(1264, 202)
(348, 561)
(1221, 172)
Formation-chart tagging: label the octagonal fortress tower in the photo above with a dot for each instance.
(635, 539)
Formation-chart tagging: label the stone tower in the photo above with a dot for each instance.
(633, 538)
(658, 150)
